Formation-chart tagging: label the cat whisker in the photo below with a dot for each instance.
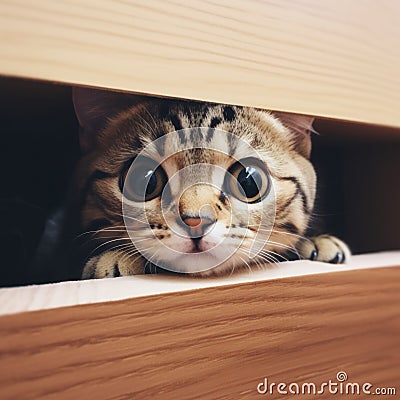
(108, 229)
(100, 238)
(141, 221)
(266, 242)
(107, 243)
(121, 247)
(130, 253)
(97, 237)
(129, 244)
(281, 233)
(124, 216)
(245, 263)
(260, 266)
(264, 256)
(255, 260)
(278, 244)
(290, 249)
(150, 262)
(270, 252)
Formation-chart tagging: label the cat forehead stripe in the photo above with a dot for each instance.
(281, 141)
(229, 113)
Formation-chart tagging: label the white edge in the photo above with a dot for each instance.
(40, 297)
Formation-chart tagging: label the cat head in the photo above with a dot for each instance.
(193, 185)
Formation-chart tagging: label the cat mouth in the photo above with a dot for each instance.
(195, 251)
(199, 246)
(184, 255)
(196, 246)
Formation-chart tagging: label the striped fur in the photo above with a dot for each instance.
(283, 145)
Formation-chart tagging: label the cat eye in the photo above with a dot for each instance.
(144, 180)
(248, 180)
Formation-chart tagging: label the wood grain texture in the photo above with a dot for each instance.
(333, 58)
(216, 343)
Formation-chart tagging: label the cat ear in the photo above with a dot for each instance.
(93, 107)
(301, 126)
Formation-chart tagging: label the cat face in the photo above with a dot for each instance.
(195, 199)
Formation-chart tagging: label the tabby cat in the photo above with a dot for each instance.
(262, 194)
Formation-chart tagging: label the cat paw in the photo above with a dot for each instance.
(111, 264)
(324, 248)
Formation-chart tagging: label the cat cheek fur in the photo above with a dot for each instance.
(115, 127)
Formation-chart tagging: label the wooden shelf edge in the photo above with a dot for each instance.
(39, 297)
(213, 343)
(246, 53)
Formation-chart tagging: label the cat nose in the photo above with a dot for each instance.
(197, 226)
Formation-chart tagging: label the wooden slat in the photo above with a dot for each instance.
(53, 295)
(215, 343)
(334, 58)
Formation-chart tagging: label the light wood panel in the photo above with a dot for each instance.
(215, 343)
(334, 58)
(54, 295)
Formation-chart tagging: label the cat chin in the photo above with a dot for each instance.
(228, 267)
(190, 263)
(203, 264)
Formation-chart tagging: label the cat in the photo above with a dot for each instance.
(262, 195)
